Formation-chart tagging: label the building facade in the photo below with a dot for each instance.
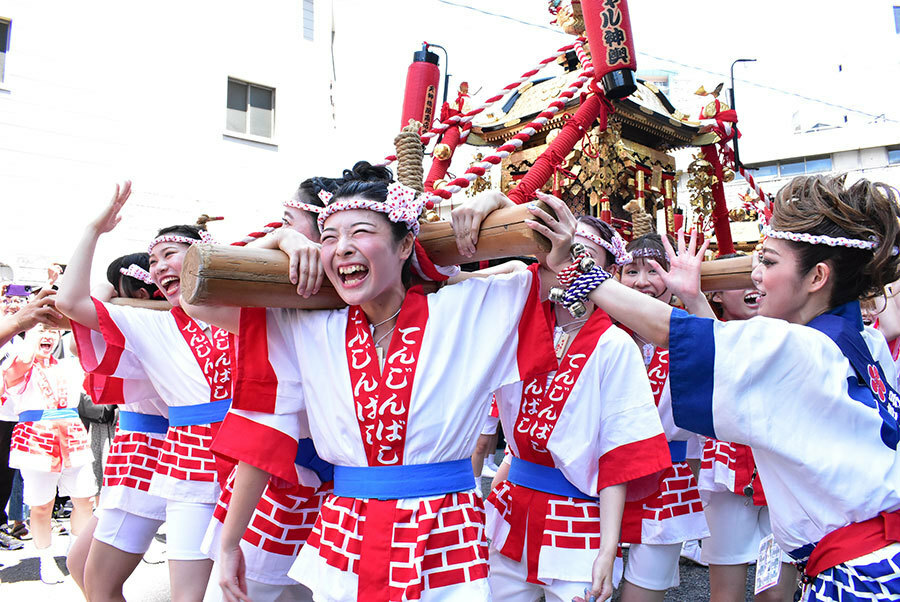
(208, 107)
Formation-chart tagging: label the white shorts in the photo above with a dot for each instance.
(125, 531)
(490, 425)
(735, 529)
(653, 566)
(40, 487)
(187, 524)
(507, 580)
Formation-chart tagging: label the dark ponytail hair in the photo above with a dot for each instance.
(824, 205)
(130, 285)
(181, 230)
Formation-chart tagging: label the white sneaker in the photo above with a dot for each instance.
(691, 551)
(488, 471)
(50, 572)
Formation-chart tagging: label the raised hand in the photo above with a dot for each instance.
(683, 276)
(40, 310)
(560, 230)
(109, 218)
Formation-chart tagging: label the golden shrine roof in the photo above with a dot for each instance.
(647, 116)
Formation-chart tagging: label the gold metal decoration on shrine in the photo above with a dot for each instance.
(701, 178)
(570, 18)
(481, 183)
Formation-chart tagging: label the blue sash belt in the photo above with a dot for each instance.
(543, 478)
(204, 413)
(143, 423)
(404, 481)
(678, 451)
(307, 457)
(36, 415)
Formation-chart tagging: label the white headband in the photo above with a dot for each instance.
(648, 253)
(204, 237)
(303, 206)
(137, 272)
(400, 206)
(821, 239)
(616, 248)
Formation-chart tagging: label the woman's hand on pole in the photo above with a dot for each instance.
(466, 219)
(306, 270)
(559, 229)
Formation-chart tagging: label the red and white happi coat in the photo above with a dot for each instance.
(729, 467)
(675, 512)
(594, 419)
(449, 351)
(289, 506)
(186, 368)
(48, 445)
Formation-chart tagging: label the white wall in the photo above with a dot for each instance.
(96, 92)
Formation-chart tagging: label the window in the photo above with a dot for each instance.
(894, 155)
(251, 109)
(4, 46)
(792, 168)
(309, 20)
(814, 164)
(764, 171)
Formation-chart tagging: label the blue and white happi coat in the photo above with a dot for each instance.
(825, 447)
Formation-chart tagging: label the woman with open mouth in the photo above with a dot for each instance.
(404, 521)
(50, 446)
(189, 364)
(805, 384)
(654, 526)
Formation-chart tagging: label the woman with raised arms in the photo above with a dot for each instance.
(188, 363)
(404, 521)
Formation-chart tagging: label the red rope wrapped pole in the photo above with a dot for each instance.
(721, 224)
(439, 167)
(593, 107)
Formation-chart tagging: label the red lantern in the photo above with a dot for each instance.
(422, 80)
(608, 29)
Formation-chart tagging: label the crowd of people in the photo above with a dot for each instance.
(332, 455)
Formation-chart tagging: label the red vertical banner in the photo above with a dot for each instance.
(420, 97)
(608, 28)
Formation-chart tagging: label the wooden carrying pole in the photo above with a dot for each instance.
(250, 277)
(726, 274)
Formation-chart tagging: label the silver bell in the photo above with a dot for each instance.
(586, 264)
(577, 309)
(577, 249)
(557, 294)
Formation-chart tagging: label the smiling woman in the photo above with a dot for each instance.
(188, 363)
(379, 403)
(810, 392)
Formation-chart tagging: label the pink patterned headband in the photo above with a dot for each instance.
(616, 248)
(821, 239)
(302, 206)
(137, 272)
(649, 254)
(400, 206)
(204, 237)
